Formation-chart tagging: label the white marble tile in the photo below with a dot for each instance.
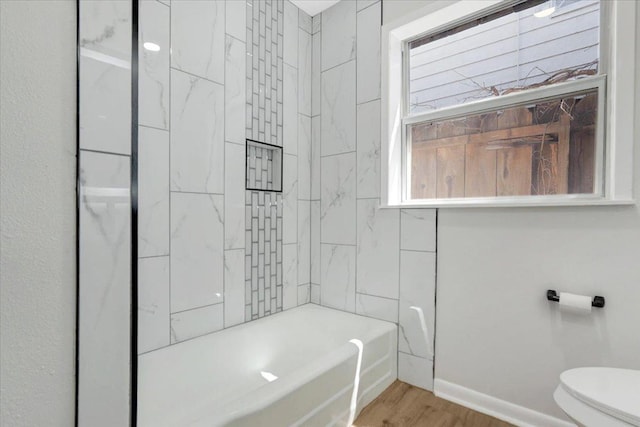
(338, 34)
(315, 294)
(290, 199)
(315, 242)
(315, 74)
(235, 91)
(362, 4)
(197, 38)
(338, 118)
(338, 277)
(377, 307)
(290, 110)
(368, 57)
(234, 196)
(369, 149)
(105, 76)
(153, 192)
(315, 158)
(154, 65)
(304, 242)
(304, 72)
(304, 20)
(415, 371)
(290, 35)
(105, 284)
(153, 303)
(234, 277)
(338, 201)
(418, 229)
(304, 157)
(290, 276)
(378, 249)
(196, 322)
(316, 22)
(197, 134)
(417, 303)
(196, 250)
(236, 19)
(167, 2)
(304, 294)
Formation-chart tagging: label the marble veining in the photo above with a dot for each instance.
(368, 57)
(338, 34)
(368, 150)
(338, 118)
(338, 202)
(153, 303)
(338, 276)
(290, 199)
(153, 99)
(304, 72)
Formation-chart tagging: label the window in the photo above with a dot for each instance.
(506, 102)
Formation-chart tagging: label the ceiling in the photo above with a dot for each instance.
(313, 7)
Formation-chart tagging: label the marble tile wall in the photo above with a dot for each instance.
(105, 212)
(198, 102)
(375, 262)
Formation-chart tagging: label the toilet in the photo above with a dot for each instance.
(600, 397)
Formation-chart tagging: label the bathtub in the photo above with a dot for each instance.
(310, 366)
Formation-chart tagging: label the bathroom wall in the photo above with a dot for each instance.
(497, 333)
(198, 228)
(375, 262)
(37, 213)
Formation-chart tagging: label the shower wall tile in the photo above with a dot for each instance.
(198, 38)
(290, 110)
(197, 134)
(315, 294)
(153, 99)
(418, 229)
(304, 157)
(153, 303)
(338, 199)
(290, 276)
(234, 196)
(235, 90)
(376, 307)
(368, 149)
(315, 73)
(315, 158)
(105, 98)
(338, 276)
(153, 192)
(290, 47)
(361, 4)
(378, 249)
(304, 21)
(368, 58)
(315, 242)
(338, 119)
(290, 199)
(316, 22)
(415, 371)
(304, 294)
(338, 34)
(304, 72)
(235, 20)
(234, 297)
(193, 323)
(304, 242)
(196, 250)
(417, 303)
(105, 274)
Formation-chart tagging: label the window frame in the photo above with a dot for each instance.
(614, 136)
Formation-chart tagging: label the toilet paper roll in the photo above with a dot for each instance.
(573, 302)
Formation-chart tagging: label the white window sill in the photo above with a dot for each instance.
(511, 202)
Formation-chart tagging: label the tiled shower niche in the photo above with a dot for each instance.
(263, 166)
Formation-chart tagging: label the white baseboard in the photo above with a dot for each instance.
(501, 409)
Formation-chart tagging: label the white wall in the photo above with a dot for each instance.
(37, 202)
(497, 334)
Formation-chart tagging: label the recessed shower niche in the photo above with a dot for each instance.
(263, 166)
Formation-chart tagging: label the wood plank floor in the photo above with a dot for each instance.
(402, 405)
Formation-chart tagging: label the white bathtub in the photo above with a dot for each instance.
(219, 379)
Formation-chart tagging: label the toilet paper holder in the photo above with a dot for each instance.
(597, 301)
